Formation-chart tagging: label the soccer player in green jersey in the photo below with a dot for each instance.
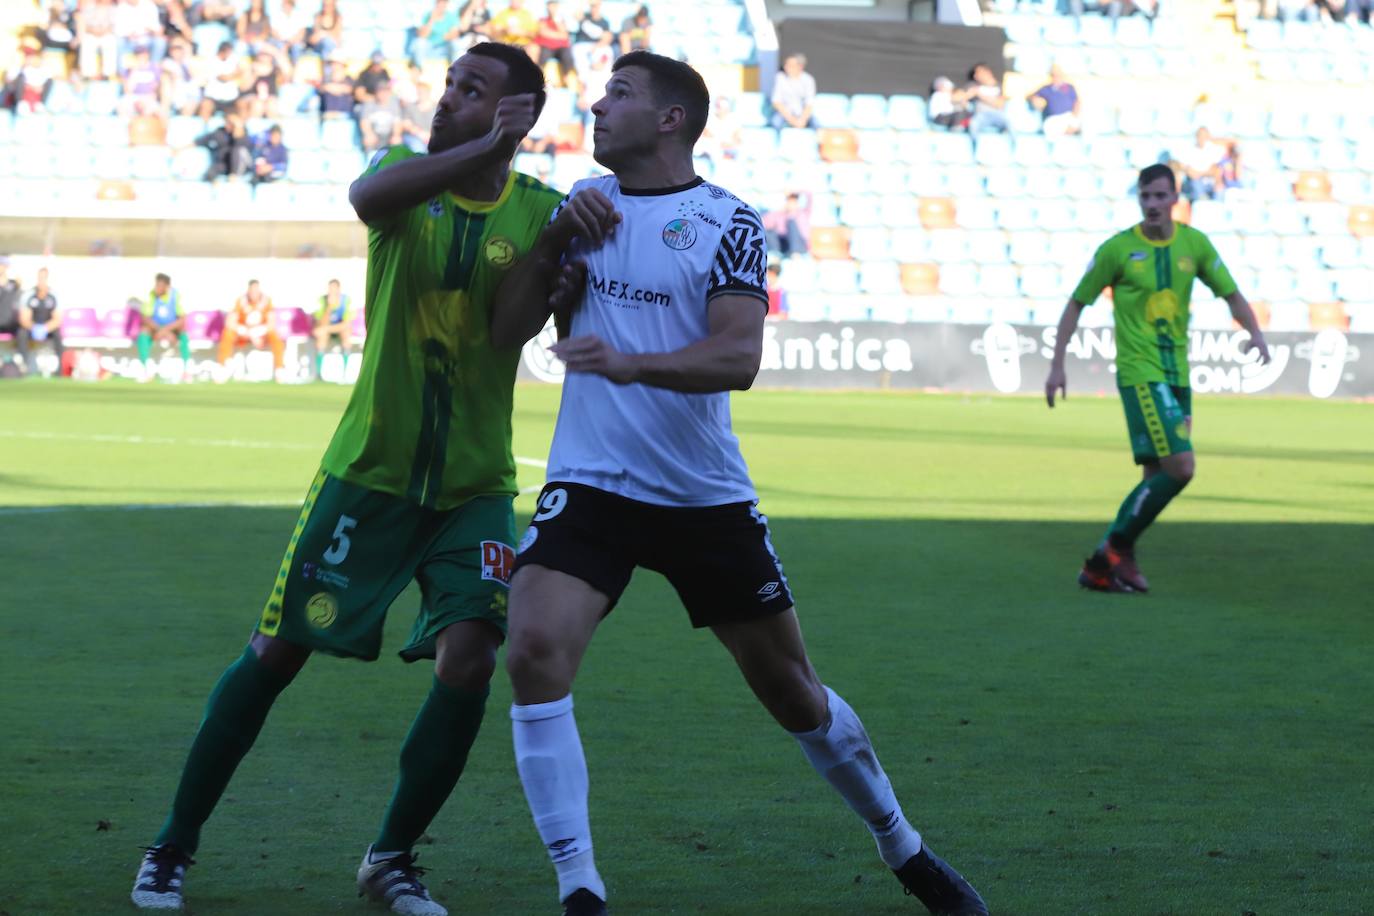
(417, 483)
(1150, 268)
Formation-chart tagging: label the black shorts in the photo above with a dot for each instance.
(720, 559)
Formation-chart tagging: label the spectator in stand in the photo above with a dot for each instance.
(291, 29)
(434, 37)
(327, 33)
(555, 43)
(251, 323)
(777, 296)
(32, 86)
(142, 86)
(171, 14)
(180, 91)
(333, 321)
(794, 94)
(373, 75)
(593, 31)
(231, 150)
(985, 90)
(474, 25)
(58, 32)
(254, 27)
(260, 100)
(722, 137)
(948, 106)
(636, 33)
(788, 231)
(1229, 169)
(542, 137)
(162, 321)
(336, 91)
(517, 26)
(97, 49)
(138, 27)
(1202, 166)
(39, 320)
(1058, 103)
(594, 77)
(224, 12)
(10, 294)
(269, 157)
(224, 83)
(381, 120)
(417, 117)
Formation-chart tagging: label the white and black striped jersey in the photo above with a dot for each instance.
(675, 250)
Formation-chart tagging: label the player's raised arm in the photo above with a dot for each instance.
(1068, 323)
(727, 360)
(542, 282)
(383, 192)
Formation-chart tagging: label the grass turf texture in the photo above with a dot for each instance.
(1202, 750)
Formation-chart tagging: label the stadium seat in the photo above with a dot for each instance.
(829, 242)
(837, 277)
(751, 110)
(900, 211)
(988, 246)
(1005, 183)
(870, 243)
(300, 134)
(951, 149)
(1045, 182)
(946, 247)
(998, 281)
(1042, 281)
(1312, 186)
(880, 278)
(906, 113)
(909, 245)
(839, 146)
(79, 323)
(861, 210)
(964, 181)
(339, 134)
(994, 150)
(1340, 251)
(119, 325)
(868, 111)
(976, 213)
(1353, 284)
(831, 109)
(960, 280)
(939, 213)
(1211, 216)
(1017, 214)
(884, 147)
(921, 279)
(1361, 220)
(1136, 121)
(849, 177)
(1029, 247)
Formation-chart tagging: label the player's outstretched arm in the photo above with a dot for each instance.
(727, 360)
(399, 187)
(1057, 380)
(541, 282)
(1245, 317)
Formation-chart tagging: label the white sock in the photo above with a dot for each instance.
(841, 752)
(553, 770)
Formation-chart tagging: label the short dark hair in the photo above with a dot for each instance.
(162, 278)
(335, 283)
(522, 74)
(673, 82)
(978, 66)
(1154, 173)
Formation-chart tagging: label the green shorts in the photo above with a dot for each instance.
(1157, 418)
(354, 550)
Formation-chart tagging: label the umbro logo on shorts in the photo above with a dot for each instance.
(770, 591)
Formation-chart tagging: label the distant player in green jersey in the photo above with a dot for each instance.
(1150, 268)
(417, 483)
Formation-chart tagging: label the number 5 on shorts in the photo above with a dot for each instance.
(338, 550)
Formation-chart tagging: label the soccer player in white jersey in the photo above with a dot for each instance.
(645, 471)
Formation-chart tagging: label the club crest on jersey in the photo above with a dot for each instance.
(498, 562)
(322, 610)
(499, 251)
(1186, 265)
(436, 207)
(680, 234)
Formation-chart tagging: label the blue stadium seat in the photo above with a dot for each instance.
(297, 98)
(951, 149)
(992, 149)
(1249, 123)
(300, 134)
(988, 246)
(345, 165)
(751, 110)
(34, 160)
(1261, 249)
(1288, 315)
(1017, 214)
(155, 195)
(1349, 187)
(1022, 30)
(1133, 32)
(1043, 281)
(906, 112)
(1334, 155)
(73, 161)
(1175, 121)
(102, 98)
(1136, 121)
(1107, 63)
(1278, 67)
(1301, 36)
(151, 163)
(1276, 284)
(1062, 31)
(1314, 286)
(884, 146)
(339, 134)
(190, 164)
(758, 144)
(861, 210)
(1142, 63)
(798, 144)
(868, 111)
(1288, 123)
(958, 279)
(837, 277)
(1300, 155)
(207, 37)
(1146, 151)
(964, 181)
(881, 278)
(1094, 215)
(1057, 215)
(1032, 60)
(849, 177)
(1211, 216)
(1098, 122)
(1260, 157)
(947, 246)
(976, 213)
(1044, 182)
(999, 280)
(69, 130)
(929, 182)
(1104, 152)
(898, 211)
(1029, 247)
(870, 243)
(887, 178)
(1097, 32)
(1081, 184)
(32, 129)
(1264, 34)
(307, 166)
(1006, 182)
(1354, 284)
(910, 245)
(831, 109)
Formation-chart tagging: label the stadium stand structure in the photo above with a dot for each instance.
(910, 222)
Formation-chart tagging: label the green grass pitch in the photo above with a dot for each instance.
(1208, 749)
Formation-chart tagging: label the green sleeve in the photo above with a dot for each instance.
(384, 158)
(1101, 274)
(1212, 270)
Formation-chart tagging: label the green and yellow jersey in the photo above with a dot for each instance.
(1152, 285)
(430, 416)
